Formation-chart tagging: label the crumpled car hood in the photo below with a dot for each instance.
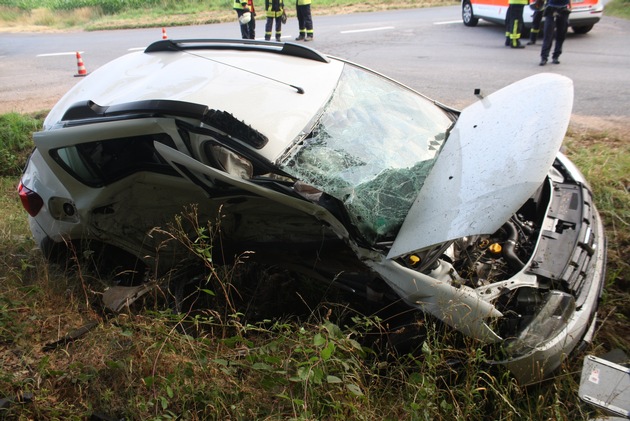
(497, 155)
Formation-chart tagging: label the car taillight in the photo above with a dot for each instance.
(31, 201)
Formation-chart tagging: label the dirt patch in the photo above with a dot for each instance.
(613, 126)
(44, 101)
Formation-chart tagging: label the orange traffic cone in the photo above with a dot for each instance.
(81, 66)
(164, 33)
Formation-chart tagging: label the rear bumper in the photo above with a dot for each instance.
(587, 21)
(585, 16)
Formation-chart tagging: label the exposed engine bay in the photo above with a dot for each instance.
(532, 269)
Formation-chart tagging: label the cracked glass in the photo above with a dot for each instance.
(371, 148)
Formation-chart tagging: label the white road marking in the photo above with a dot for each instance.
(273, 38)
(450, 22)
(367, 30)
(59, 54)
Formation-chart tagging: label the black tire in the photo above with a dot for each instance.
(467, 14)
(582, 29)
(102, 260)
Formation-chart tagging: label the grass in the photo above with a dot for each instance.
(15, 132)
(153, 363)
(618, 8)
(605, 161)
(150, 363)
(93, 15)
(116, 14)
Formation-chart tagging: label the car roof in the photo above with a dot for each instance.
(277, 88)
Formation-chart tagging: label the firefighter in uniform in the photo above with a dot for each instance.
(538, 8)
(514, 23)
(275, 10)
(305, 20)
(248, 29)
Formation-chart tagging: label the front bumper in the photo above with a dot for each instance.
(583, 256)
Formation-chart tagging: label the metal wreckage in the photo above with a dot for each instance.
(472, 217)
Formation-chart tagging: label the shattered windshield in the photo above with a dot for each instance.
(371, 149)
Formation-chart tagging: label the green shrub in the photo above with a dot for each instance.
(618, 8)
(111, 7)
(15, 141)
(19, 4)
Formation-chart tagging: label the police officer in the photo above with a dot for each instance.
(556, 25)
(514, 23)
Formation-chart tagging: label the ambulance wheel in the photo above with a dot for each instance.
(467, 14)
(582, 29)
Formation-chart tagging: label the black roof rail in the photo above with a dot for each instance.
(284, 48)
(88, 111)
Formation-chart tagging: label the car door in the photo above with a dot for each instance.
(208, 177)
(112, 180)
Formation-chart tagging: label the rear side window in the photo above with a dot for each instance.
(105, 161)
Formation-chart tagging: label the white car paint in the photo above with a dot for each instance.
(230, 85)
(490, 164)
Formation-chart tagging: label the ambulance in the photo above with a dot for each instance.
(584, 13)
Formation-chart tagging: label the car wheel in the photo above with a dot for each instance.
(582, 29)
(467, 14)
(99, 259)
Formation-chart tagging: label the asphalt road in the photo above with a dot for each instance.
(427, 49)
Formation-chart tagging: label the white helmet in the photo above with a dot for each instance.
(245, 18)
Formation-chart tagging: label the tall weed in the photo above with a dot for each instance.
(16, 142)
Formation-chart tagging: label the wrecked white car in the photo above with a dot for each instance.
(312, 162)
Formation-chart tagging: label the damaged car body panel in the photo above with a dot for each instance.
(208, 178)
(125, 188)
(489, 168)
(323, 167)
